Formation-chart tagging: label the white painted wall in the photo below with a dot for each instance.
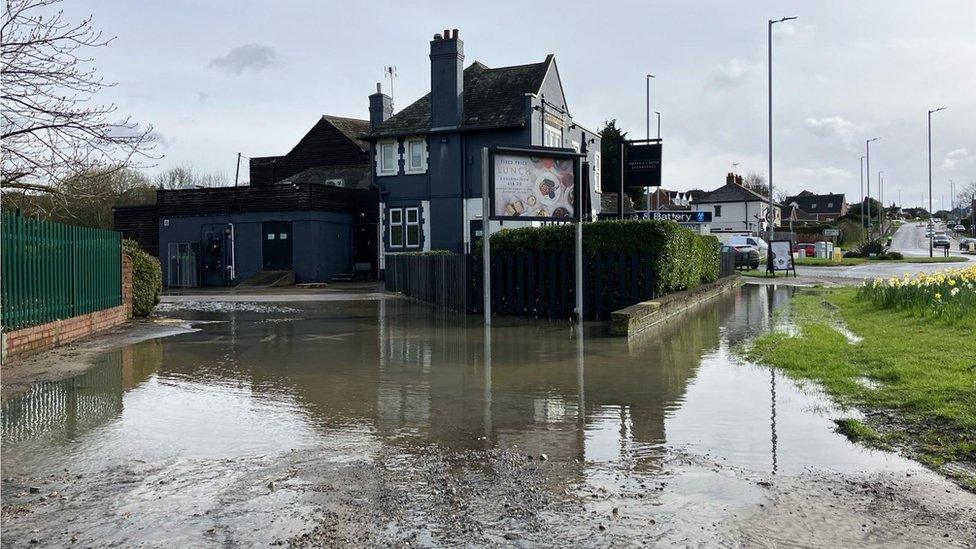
(738, 216)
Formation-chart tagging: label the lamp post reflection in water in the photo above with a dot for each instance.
(487, 374)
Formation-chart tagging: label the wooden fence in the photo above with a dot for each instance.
(54, 271)
(436, 279)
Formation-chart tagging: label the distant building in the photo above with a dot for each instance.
(736, 209)
(426, 158)
(310, 211)
(823, 207)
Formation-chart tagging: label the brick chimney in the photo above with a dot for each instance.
(380, 108)
(446, 80)
(730, 178)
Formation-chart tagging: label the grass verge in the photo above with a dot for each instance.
(913, 378)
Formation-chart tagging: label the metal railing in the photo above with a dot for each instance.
(50, 271)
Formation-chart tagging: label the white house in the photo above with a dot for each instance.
(736, 209)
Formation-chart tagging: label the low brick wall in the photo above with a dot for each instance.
(27, 341)
(641, 316)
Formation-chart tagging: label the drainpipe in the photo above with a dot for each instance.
(230, 243)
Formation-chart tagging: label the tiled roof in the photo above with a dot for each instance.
(493, 98)
(818, 203)
(731, 192)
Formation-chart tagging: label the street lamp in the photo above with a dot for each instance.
(881, 205)
(863, 218)
(931, 217)
(867, 172)
(769, 28)
(658, 124)
(648, 80)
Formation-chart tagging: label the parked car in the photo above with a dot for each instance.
(941, 241)
(929, 231)
(959, 228)
(967, 245)
(745, 240)
(746, 257)
(807, 248)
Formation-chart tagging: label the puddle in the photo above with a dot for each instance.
(390, 383)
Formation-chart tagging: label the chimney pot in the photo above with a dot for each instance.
(447, 34)
(378, 89)
(454, 34)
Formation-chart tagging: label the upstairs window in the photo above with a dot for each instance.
(387, 161)
(416, 150)
(597, 172)
(552, 136)
(813, 206)
(718, 211)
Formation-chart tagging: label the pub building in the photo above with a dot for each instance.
(426, 158)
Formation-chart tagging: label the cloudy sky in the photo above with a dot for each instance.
(215, 78)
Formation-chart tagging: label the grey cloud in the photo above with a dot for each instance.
(832, 127)
(731, 74)
(249, 57)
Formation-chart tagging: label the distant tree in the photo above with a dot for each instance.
(52, 128)
(85, 199)
(185, 177)
(612, 138)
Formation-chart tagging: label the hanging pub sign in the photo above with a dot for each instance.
(534, 183)
(677, 216)
(780, 257)
(642, 163)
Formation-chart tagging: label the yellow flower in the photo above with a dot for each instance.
(937, 296)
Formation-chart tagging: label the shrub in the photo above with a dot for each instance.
(681, 258)
(872, 247)
(147, 279)
(852, 253)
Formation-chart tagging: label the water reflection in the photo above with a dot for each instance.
(393, 372)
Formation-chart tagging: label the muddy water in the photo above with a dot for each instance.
(289, 422)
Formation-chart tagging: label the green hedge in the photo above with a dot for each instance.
(147, 279)
(682, 259)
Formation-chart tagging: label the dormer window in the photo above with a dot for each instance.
(387, 161)
(416, 149)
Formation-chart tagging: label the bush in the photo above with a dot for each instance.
(853, 253)
(147, 279)
(681, 258)
(872, 247)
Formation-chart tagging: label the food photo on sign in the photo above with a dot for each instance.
(533, 187)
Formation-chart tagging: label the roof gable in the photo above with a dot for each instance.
(818, 203)
(493, 98)
(732, 192)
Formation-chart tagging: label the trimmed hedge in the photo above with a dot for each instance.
(147, 279)
(682, 259)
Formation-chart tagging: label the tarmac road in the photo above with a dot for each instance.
(910, 239)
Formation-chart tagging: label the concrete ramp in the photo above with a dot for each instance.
(269, 279)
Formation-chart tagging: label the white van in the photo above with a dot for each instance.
(747, 240)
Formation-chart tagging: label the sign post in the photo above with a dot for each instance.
(532, 184)
(486, 230)
(780, 257)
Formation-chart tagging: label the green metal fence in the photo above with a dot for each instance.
(51, 271)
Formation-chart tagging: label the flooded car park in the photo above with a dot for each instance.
(382, 422)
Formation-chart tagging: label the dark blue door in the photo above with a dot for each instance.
(276, 245)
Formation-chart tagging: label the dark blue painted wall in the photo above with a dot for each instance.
(321, 241)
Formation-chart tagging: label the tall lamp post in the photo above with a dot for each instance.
(769, 34)
(867, 173)
(931, 216)
(881, 204)
(863, 218)
(658, 124)
(648, 81)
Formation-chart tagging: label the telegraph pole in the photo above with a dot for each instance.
(237, 172)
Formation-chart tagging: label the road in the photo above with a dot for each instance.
(910, 239)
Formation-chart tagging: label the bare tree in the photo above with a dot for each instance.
(184, 177)
(52, 128)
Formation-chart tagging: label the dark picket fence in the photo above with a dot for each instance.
(436, 279)
(543, 285)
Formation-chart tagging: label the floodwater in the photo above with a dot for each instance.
(334, 422)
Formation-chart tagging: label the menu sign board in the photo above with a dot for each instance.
(642, 165)
(533, 184)
(781, 256)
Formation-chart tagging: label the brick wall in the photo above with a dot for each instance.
(27, 341)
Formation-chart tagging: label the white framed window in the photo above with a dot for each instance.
(387, 159)
(416, 155)
(413, 227)
(396, 227)
(576, 146)
(552, 136)
(597, 172)
(718, 211)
